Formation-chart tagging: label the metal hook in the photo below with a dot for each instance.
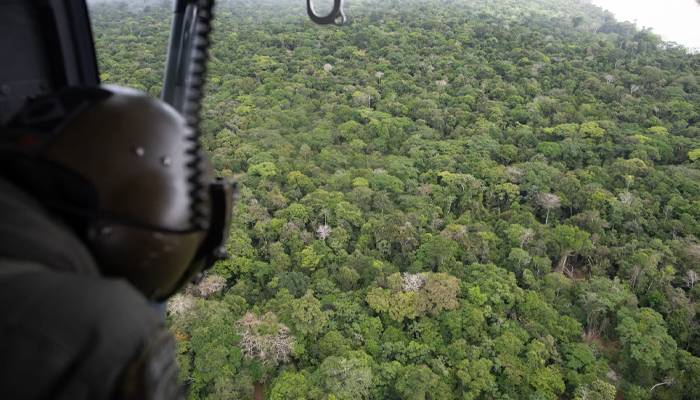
(336, 16)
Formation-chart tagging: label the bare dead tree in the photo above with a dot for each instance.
(596, 316)
(667, 381)
(568, 270)
(535, 69)
(691, 278)
(634, 277)
(425, 190)
(412, 282)
(323, 231)
(548, 201)
(210, 285)
(693, 250)
(180, 304)
(264, 339)
(626, 198)
(515, 174)
(526, 237)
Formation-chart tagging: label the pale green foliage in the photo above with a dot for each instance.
(476, 378)
(417, 383)
(591, 129)
(438, 292)
(309, 258)
(346, 378)
(289, 386)
(265, 169)
(658, 130)
(304, 315)
(694, 155)
(645, 340)
(598, 390)
(361, 182)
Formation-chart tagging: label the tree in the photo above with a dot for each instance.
(294, 282)
(417, 383)
(309, 258)
(691, 278)
(546, 382)
(298, 181)
(265, 170)
(264, 339)
(569, 240)
(647, 345)
(476, 378)
(333, 344)
(210, 285)
(591, 129)
(519, 258)
(598, 390)
(549, 202)
(439, 293)
(694, 155)
(346, 378)
(414, 295)
(602, 299)
(290, 386)
(436, 254)
(304, 315)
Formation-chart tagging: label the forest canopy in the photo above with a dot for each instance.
(444, 199)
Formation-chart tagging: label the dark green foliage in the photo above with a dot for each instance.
(442, 200)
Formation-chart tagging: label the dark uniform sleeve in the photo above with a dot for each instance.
(64, 336)
(152, 373)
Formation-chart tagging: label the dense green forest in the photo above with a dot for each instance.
(444, 199)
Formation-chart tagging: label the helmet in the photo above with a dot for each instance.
(126, 172)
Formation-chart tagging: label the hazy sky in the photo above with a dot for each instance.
(674, 20)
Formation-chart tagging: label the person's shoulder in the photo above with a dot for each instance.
(91, 327)
(67, 309)
(30, 233)
(120, 304)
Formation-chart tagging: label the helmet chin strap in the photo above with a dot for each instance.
(183, 88)
(188, 54)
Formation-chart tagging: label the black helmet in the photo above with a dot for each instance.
(126, 172)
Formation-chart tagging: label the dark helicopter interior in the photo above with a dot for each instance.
(47, 45)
